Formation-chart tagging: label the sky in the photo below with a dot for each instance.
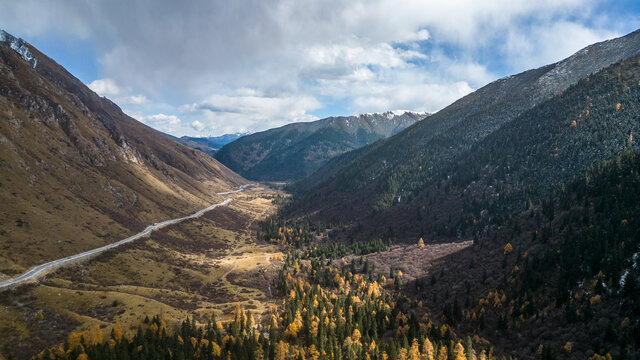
(206, 68)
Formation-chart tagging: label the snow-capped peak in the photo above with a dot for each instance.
(20, 46)
(399, 112)
(393, 113)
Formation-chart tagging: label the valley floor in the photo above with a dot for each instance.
(203, 265)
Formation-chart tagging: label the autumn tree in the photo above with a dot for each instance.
(508, 248)
(458, 352)
(427, 350)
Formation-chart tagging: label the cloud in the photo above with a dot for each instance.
(259, 63)
(108, 87)
(382, 55)
(163, 122)
(539, 45)
(197, 125)
(134, 99)
(417, 97)
(248, 110)
(420, 35)
(105, 87)
(161, 119)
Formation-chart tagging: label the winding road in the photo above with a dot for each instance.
(42, 269)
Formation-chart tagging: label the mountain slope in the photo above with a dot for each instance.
(401, 167)
(569, 274)
(296, 150)
(77, 172)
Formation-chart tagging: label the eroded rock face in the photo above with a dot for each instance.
(19, 46)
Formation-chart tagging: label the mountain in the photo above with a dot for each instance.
(76, 172)
(208, 145)
(485, 131)
(294, 151)
(563, 272)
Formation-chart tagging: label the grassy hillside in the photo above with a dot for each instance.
(78, 173)
(204, 265)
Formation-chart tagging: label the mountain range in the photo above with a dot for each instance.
(296, 150)
(207, 144)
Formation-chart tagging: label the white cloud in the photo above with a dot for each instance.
(248, 110)
(382, 54)
(197, 125)
(417, 97)
(540, 45)
(105, 87)
(108, 87)
(134, 99)
(161, 119)
(420, 35)
(163, 122)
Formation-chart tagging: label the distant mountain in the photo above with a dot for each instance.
(208, 145)
(76, 172)
(296, 150)
(529, 117)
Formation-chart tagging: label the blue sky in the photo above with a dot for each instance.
(214, 67)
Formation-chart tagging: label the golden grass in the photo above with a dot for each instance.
(13, 322)
(195, 267)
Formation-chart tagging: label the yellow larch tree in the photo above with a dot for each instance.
(116, 332)
(427, 350)
(281, 350)
(458, 352)
(414, 351)
(508, 248)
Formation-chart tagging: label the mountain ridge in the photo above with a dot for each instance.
(296, 150)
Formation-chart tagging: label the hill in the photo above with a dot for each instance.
(78, 173)
(296, 150)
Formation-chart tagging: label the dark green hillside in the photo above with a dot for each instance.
(518, 164)
(403, 166)
(569, 273)
(592, 121)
